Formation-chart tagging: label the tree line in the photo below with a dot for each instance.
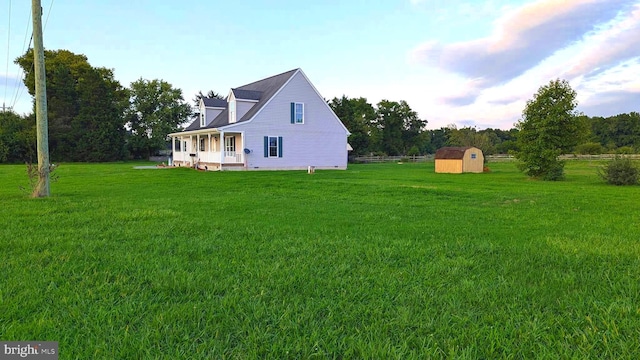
(93, 118)
(393, 128)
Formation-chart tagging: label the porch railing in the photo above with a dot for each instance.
(232, 156)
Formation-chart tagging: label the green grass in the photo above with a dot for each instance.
(380, 261)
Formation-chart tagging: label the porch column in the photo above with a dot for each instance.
(222, 149)
(244, 156)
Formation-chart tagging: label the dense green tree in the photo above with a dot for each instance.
(156, 109)
(358, 116)
(85, 107)
(399, 126)
(210, 94)
(549, 127)
(17, 138)
(438, 138)
(468, 136)
(616, 131)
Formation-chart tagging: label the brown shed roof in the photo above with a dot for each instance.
(451, 152)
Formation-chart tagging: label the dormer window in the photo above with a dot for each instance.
(232, 111)
(203, 120)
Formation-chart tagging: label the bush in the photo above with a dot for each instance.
(619, 171)
(414, 151)
(625, 150)
(591, 148)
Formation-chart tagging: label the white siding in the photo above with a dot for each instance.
(242, 107)
(321, 141)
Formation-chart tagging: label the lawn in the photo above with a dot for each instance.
(380, 261)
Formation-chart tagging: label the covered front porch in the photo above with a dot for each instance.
(210, 150)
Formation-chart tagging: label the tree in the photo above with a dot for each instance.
(358, 116)
(17, 138)
(399, 126)
(549, 127)
(468, 136)
(210, 94)
(85, 107)
(156, 109)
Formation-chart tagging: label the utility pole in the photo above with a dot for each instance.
(42, 127)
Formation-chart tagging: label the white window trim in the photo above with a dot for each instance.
(232, 111)
(226, 144)
(295, 106)
(269, 146)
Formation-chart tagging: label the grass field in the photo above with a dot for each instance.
(380, 261)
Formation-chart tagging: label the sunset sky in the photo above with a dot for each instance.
(469, 63)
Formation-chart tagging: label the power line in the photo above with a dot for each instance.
(18, 79)
(48, 13)
(19, 89)
(6, 78)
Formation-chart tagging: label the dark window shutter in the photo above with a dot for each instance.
(293, 113)
(279, 146)
(266, 146)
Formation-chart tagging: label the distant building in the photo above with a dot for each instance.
(458, 160)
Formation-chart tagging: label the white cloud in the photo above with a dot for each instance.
(594, 44)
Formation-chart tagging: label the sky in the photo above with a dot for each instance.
(468, 63)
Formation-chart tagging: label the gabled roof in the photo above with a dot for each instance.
(451, 152)
(214, 102)
(265, 88)
(195, 124)
(247, 94)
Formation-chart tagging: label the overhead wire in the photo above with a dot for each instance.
(19, 89)
(6, 77)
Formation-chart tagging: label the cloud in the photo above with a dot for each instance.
(609, 47)
(521, 39)
(612, 103)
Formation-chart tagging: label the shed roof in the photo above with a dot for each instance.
(451, 152)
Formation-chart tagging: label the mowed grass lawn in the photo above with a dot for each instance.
(379, 261)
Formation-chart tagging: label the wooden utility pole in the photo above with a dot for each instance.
(42, 187)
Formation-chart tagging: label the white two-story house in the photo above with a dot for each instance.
(277, 123)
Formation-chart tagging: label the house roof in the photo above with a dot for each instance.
(247, 94)
(261, 90)
(214, 102)
(451, 152)
(195, 124)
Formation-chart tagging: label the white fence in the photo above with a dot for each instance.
(489, 158)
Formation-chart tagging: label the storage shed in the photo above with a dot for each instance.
(457, 160)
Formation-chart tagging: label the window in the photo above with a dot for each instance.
(473, 156)
(184, 146)
(202, 144)
(177, 144)
(202, 119)
(273, 146)
(230, 144)
(297, 113)
(232, 111)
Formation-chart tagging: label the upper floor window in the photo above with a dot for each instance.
(202, 119)
(232, 111)
(297, 113)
